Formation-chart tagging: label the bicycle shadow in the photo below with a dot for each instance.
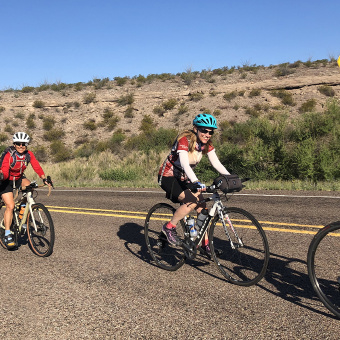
(291, 284)
(133, 235)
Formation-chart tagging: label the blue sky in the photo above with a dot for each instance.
(77, 40)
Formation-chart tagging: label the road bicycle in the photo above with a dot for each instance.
(238, 244)
(323, 262)
(35, 224)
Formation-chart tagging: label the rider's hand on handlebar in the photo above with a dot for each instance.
(200, 186)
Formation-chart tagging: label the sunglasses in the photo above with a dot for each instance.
(206, 131)
(20, 144)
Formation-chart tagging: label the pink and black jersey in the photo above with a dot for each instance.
(172, 166)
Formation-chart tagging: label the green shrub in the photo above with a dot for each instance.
(112, 123)
(30, 122)
(8, 128)
(54, 135)
(182, 109)
(40, 153)
(196, 96)
(169, 104)
(129, 112)
(254, 93)
(59, 151)
(326, 90)
(147, 125)
(78, 86)
(89, 98)
(2, 109)
(285, 96)
(126, 100)
(158, 110)
(116, 140)
(48, 122)
(283, 70)
(121, 81)
(90, 124)
(230, 95)
(308, 106)
(43, 87)
(58, 87)
(3, 137)
(38, 104)
(27, 89)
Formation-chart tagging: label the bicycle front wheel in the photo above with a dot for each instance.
(241, 252)
(323, 262)
(40, 230)
(166, 255)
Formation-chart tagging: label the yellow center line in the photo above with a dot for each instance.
(132, 214)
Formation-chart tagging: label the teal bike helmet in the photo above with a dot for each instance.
(205, 120)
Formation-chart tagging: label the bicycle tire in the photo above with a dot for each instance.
(166, 255)
(41, 241)
(245, 265)
(323, 266)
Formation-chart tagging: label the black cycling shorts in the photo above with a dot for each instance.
(7, 186)
(173, 187)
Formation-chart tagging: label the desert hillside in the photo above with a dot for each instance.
(77, 113)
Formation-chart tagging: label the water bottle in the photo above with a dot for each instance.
(191, 227)
(201, 217)
(22, 209)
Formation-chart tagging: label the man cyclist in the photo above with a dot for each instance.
(13, 166)
(176, 175)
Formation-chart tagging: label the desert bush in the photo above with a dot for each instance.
(19, 115)
(121, 81)
(112, 123)
(254, 93)
(2, 109)
(40, 153)
(58, 87)
(78, 86)
(48, 122)
(285, 96)
(196, 96)
(129, 112)
(283, 70)
(182, 109)
(89, 98)
(158, 110)
(54, 135)
(38, 104)
(128, 99)
(43, 87)
(27, 89)
(100, 83)
(90, 124)
(230, 95)
(188, 77)
(169, 104)
(326, 90)
(59, 151)
(254, 111)
(30, 123)
(8, 128)
(3, 137)
(147, 125)
(308, 106)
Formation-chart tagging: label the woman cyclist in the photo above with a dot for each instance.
(176, 175)
(13, 166)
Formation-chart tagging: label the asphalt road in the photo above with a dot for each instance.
(100, 283)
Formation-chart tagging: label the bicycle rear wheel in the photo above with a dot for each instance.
(247, 262)
(323, 262)
(166, 255)
(41, 240)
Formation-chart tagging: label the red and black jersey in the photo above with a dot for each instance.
(14, 165)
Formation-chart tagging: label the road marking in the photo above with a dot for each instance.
(137, 215)
(163, 193)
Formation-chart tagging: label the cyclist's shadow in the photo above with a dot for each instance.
(133, 234)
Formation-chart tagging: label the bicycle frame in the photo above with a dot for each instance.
(217, 208)
(29, 202)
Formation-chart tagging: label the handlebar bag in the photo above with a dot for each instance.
(228, 183)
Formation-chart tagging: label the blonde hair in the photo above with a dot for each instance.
(192, 139)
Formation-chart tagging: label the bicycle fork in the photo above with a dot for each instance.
(225, 217)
